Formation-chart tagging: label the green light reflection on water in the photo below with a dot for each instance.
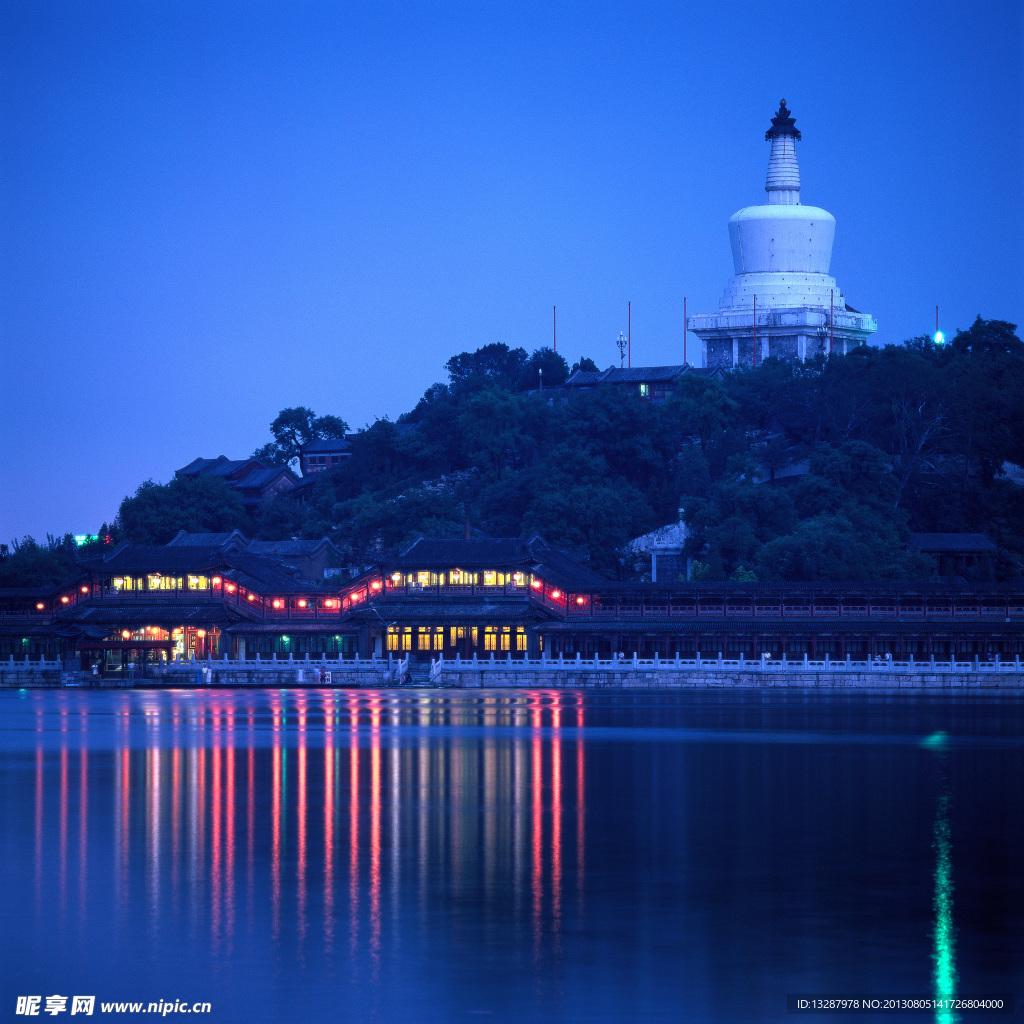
(944, 936)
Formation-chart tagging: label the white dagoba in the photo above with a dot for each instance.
(781, 253)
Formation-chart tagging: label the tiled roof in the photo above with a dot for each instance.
(158, 558)
(965, 543)
(509, 552)
(261, 476)
(325, 444)
(220, 466)
(255, 572)
(582, 378)
(118, 614)
(818, 627)
(287, 548)
(445, 611)
(642, 374)
(207, 540)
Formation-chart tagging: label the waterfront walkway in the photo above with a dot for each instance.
(560, 673)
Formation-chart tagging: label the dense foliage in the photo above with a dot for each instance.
(27, 563)
(788, 471)
(199, 504)
(884, 441)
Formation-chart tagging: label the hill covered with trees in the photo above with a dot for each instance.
(896, 439)
(788, 471)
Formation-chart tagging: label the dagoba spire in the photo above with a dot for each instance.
(783, 184)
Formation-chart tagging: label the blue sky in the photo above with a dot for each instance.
(211, 211)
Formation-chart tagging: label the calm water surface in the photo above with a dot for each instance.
(529, 856)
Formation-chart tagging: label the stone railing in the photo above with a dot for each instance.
(718, 671)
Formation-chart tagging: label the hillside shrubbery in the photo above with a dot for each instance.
(889, 440)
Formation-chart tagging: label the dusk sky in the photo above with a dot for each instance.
(212, 211)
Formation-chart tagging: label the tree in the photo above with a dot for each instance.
(555, 368)
(371, 522)
(293, 429)
(494, 364)
(700, 407)
(27, 563)
(599, 518)
(586, 365)
(491, 424)
(198, 504)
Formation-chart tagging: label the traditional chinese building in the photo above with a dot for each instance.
(515, 598)
(253, 479)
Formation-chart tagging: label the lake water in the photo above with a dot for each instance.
(530, 856)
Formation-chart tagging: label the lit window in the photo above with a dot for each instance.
(645, 390)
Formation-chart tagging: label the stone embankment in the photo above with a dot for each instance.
(544, 674)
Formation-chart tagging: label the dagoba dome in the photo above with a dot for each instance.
(782, 254)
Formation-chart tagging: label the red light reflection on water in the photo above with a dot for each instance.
(537, 822)
(353, 823)
(375, 832)
(275, 820)
(215, 830)
(301, 816)
(229, 831)
(556, 815)
(328, 825)
(580, 805)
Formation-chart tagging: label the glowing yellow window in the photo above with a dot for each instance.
(520, 639)
(392, 638)
(490, 579)
(407, 638)
(506, 634)
(490, 639)
(439, 638)
(423, 639)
